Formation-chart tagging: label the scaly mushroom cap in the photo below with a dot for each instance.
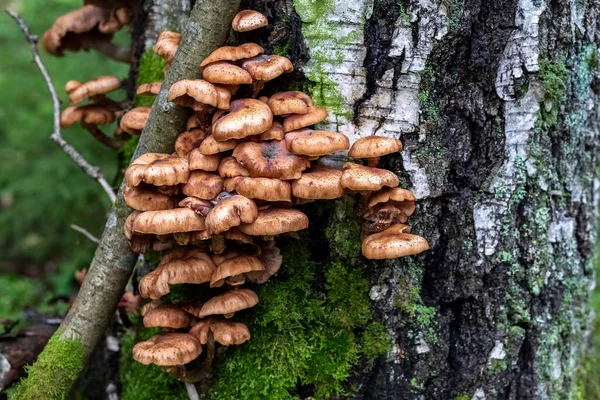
(246, 117)
(166, 316)
(182, 265)
(188, 91)
(248, 20)
(90, 114)
(199, 161)
(298, 121)
(316, 143)
(285, 103)
(269, 189)
(203, 185)
(226, 73)
(199, 206)
(270, 160)
(393, 243)
(148, 89)
(134, 120)
(168, 349)
(235, 267)
(320, 182)
(233, 53)
(146, 199)
(267, 67)
(157, 169)
(275, 132)
(271, 259)
(360, 178)
(95, 87)
(164, 222)
(211, 146)
(229, 168)
(188, 141)
(167, 44)
(275, 221)
(374, 146)
(229, 213)
(229, 303)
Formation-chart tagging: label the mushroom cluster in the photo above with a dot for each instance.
(230, 187)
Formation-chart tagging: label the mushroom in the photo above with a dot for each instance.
(360, 178)
(248, 20)
(264, 68)
(167, 44)
(146, 199)
(233, 270)
(194, 237)
(203, 185)
(96, 87)
(275, 221)
(164, 222)
(268, 189)
(233, 53)
(166, 316)
(224, 331)
(169, 349)
(199, 206)
(316, 143)
(246, 117)
(275, 132)
(134, 120)
(199, 161)
(211, 146)
(188, 141)
(390, 206)
(229, 303)
(373, 147)
(229, 168)
(271, 259)
(182, 265)
(149, 89)
(195, 93)
(90, 114)
(270, 160)
(298, 121)
(230, 212)
(137, 243)
(285, 103)
(157, 169)
(320, 182)
(226, 73)
(394, 242)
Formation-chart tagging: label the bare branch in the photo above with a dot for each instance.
(107, 141)
(85, 233)
(92, 171)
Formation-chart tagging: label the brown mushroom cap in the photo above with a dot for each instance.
(233, 53)
(182, 265)
(188, 141)
(237, 236)
(374, 146)
(188, 91)
(294, 102)
(134, 120)
(168, 349)
(149, 89)
(157, 169)
(203, 185)
(402, 199)
(97, 86)
(275, 221)
(147, 199)
(199, 206)
(138, 243)
(72, 85)
(320, 182)
(271, 259)
(167, 44)
(166, 316)
(234, 267)
(226, 73)
(168, 221)
(199, 161)
(360, 178)
(187, 238)
(275, 132)
(246, 117)
(90, 114)
(267, 67)
(316, 143)
(248, 20)
(224, 331)
(270, 160)
(298, 121)
(269, 189)
(229, 303)
(224, 97)
(229, 168)
(211, 146)
(393, 243)
(230, 212)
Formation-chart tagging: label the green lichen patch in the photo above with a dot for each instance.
(59, 363)
(553, 76)
(376, 341)
(151, 70)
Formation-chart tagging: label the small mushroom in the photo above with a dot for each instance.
(275, 132)
(211, 146)
(166, 316)
(264, 68)
(96, 87)
(230, 168)
(233, 53)
(230, 212)
(393, 242)
(234, 268)
(248, 20)
(229, 303)
(224, 331)
(169, 349)
(275, 221)
(226, 73)
(164, 222)
(199, 161)
(401, 199)
(134, 120)
(360, 178)
(285, 103)
(192, 92)
(204, 185)
(157, 169)
(199, 206)
(298, 121)
(167, 44)
(373, 147)
(90, 114)
(147, 199)
(149, 89)
(320, 182)
(188, 141)
(270, 160)
(268, 189)
(316, 143)
(246, 117)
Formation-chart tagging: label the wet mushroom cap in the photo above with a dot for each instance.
(316, 143)
(268, 189)
(391, 244)
(204, 185)
(90, 114)
(229, 168)
(293, 102)
(148, 89)
(211, 146)
(226, 73)
(146, 199)
(229, 213)
(298, 121)
(275, 132)
(374, 146)
(166, 316)
(188, 141)
(267, 67)
(270, 160)
(167, 44)
(199, 161)
(360, 178)
(134, 120)
(164, 222)
(229, 302)
(97, 86)
(275, 221)
(169, 349)
(320, 182)
(188, 91)
(233, 53)
(234, 267)
(248, 20)
(157, 169)
(246, 117)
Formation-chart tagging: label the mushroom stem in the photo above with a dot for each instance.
(112, 51)
(217, 244)
(191, 391)
(363, 203)
(102, 138)
(257, 86)
(372, 162)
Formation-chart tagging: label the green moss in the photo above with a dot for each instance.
(553, 77)
(376, 341)
(60, 363)
(455, 9)
(462, 396)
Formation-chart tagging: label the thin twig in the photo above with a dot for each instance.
(85, 233)
(107, 141)
(92, 171)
